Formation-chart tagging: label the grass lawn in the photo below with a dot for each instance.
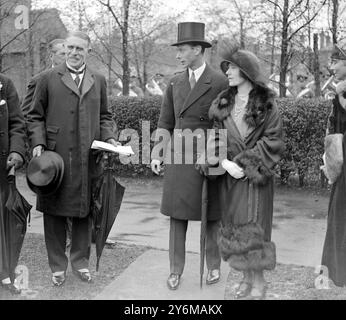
(115, 259)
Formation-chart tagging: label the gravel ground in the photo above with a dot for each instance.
(115, 259)
(290, 282)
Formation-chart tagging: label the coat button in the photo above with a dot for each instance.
(2, 133)
(201, 118)
(199, 136)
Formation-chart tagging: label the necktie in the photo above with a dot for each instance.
(77, 73)
(192, 80)
(77, 80)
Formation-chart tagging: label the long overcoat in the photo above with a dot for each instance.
(186, 109)
(12, 133)
(334, 249)
(65, 120)
(247, 204)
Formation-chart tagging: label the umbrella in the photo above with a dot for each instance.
(107, 196)
(18, 210)
(203, 226)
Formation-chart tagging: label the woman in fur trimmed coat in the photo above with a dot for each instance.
(248, 112)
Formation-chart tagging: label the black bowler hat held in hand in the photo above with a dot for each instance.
(191, 32)
(44, 173)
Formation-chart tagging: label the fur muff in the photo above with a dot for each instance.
(261, 259)
(253, 167)
(333, 159)
(260, 101)
(240, 239)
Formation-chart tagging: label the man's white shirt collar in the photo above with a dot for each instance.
(198, 72)
(74, 75)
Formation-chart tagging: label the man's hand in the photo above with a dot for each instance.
(156, 166)
(37, 151)
(113, 142)
(233, 169)
(14, 160)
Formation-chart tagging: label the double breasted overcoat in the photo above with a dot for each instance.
(186, 109)
(66, 119)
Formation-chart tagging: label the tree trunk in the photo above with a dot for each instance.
(316, 67)
(335, 21)
(242, 35)
(272, 60)
(284, 50)
(126, 69)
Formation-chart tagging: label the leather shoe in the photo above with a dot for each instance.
(173, 281)
(59, 279)
(83, 275)
(11, 288)
(213, 276)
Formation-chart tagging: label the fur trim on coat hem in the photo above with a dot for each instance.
(261, 259)
(240, 239)
(253, 166)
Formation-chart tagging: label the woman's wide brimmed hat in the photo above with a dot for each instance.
(44, 173)
(191, 32)
(247, 62)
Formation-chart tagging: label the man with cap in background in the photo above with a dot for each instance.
(68, 112)
(185, 107)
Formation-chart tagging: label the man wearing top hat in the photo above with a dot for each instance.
(185, 106)
(69, 110)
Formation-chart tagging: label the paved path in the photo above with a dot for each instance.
(298, 231)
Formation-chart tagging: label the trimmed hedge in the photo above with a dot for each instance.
(304, 122)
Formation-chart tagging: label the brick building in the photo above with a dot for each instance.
(24, 52)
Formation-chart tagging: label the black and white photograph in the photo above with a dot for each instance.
(191, 152)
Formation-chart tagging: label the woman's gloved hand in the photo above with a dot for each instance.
(233, 169)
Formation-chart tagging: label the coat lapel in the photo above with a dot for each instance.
(87, 83)
(67, 79)
(183, 86)
(202, 86)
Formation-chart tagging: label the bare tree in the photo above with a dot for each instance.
(122, 21)
(8, 38)
(293, 20)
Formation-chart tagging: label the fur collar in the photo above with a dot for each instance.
(260, 101)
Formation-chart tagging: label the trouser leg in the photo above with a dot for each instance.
(55, 238)
(213, 256)
(177, 237)
(81, 243)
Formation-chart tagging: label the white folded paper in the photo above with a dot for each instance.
(104, 146)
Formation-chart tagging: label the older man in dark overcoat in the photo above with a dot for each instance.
(69, 110)
(185, 106)
(12, 152)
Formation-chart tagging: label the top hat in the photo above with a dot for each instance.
(191, 32)
(247, 62)
(44, 173)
